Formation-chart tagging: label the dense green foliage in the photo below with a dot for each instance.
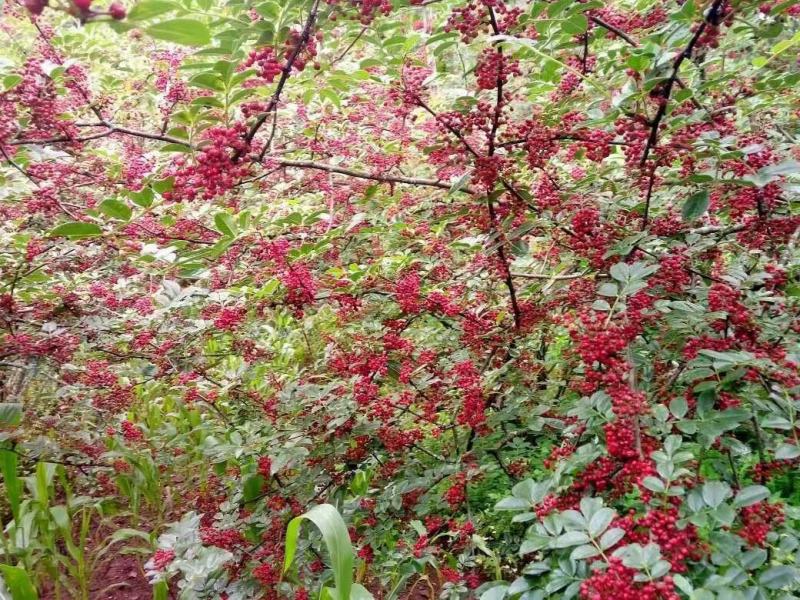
(511, 287)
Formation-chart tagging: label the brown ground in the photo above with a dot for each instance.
(122, 577)
(119, 578)
(426, 587)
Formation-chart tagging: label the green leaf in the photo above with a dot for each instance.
(585, 551)
(638, 62)
(146, 9)
(160, 590)
(529, 490)
(269, 10)
(512, 503)
(695, 206)
(575, 25)
(750, 495)
(787, 452)
(115, 209)
(611, 537)
(127, 533)
(715, 493)
(225, 224)
(359, 592)
(10, 81)
(331, 95)
(60, 517)
(534, 543)
(337, 539)
(679, 407)
(252, 488)
(571, 538)
(619, 271)
(11, 481)
(208, 81)
(459, 184)
(787, 167)
(143, 198)
(18, 583)
(187, 32)
(774, 578)
(682, 584)
(76, 230)
(497, 592)
(600, 521)
(654, 484)
(163, 185)
(10, 414)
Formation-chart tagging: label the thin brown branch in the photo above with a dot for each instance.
(286, 72)
(310, 164)
(652, 140)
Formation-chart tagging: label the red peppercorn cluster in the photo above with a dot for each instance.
(267, 63)
(559, 453)
(468, 380)
(758, 520)
(494, 68)
(456, 494)
(162, 558)
(214, 172)
(78, 8)
(397, 440)
(677, 544)
(267, 574)
(131, 432)
(474, 17)
(487, 170)
(723, 298)
(37, 99)
(227, 539)
(265, 467)
(620, 440)
(407, 293)
(763, 471)
(300, 285)
(467, 20)
(307, 48)
(617, 582)
(229, 318)
(590, 237)
(596, 143)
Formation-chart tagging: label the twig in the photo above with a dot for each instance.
(309, 164)
(652, 140)
(287, 70)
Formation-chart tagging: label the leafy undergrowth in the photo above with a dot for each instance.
(500, 295)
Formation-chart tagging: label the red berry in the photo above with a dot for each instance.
(117, 11)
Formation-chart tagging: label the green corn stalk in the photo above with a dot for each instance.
(337, 540)
(18, 583)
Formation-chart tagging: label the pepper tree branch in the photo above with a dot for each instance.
(498, 111)
(309, 164)
(110, 130)
(652, 140)
(282, 162)
(287, 70)
(632, 42)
